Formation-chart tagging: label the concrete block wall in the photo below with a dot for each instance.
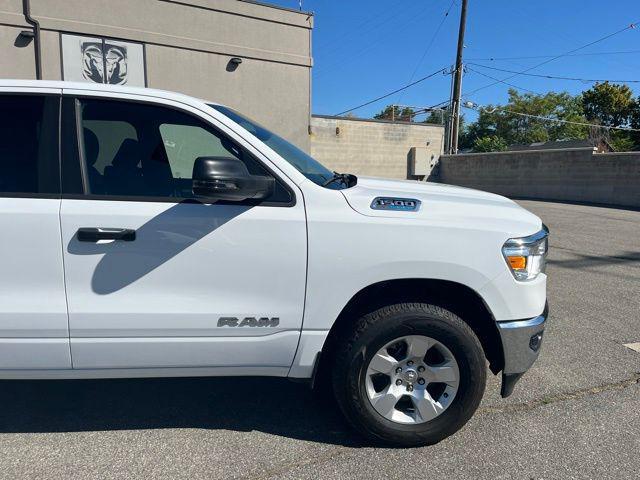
(575, 175)
(371, 147)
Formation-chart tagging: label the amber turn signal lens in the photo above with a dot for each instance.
(518, 263)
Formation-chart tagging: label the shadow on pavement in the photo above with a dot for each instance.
(582, 260)
(270, 405)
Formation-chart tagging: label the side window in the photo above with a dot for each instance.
(29, 159)
(141, 150)
(184, 143)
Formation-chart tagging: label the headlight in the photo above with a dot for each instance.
(526, 256)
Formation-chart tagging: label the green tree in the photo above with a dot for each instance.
(516, 122)
(608, 104)
(394, 112)
(437, 117)
(621, 141)
(613, 105)
(492, 143)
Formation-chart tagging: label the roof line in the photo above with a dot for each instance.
(277, 7)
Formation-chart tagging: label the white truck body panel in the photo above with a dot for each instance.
(150, 307)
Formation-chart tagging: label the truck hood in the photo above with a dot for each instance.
(443, 203)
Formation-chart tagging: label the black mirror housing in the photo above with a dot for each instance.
(227, 178)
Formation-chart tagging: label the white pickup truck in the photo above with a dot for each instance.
(147, 233)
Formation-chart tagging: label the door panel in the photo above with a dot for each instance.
(32, 294)
(189, 265)
(34, 330)
(155, 295)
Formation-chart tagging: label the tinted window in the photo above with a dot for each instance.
(135, 149)
(29, 144)
(301, 161)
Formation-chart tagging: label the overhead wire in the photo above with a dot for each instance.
(585, 80)
(430, 44)
(601, 39)
(440, 70)
(322, 70)
(501, 81)
(557, 120)
(531, 57)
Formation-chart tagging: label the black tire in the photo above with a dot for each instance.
(374, 330)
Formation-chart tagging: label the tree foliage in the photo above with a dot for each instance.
(502, 122)
(613, 105)
(524, 119)
(492, 143)
(604, 104)
(609, 104)
(408, 114)
(394, 112)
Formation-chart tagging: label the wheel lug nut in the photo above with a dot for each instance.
(421, 368)
(421, 381)
(409, 388)
(410, 362)
(398, 382)
(399, 370)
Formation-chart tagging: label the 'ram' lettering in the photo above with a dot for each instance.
(269, 322)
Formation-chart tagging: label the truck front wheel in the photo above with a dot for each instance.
(409, 374)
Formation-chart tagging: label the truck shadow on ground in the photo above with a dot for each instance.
(270, 405)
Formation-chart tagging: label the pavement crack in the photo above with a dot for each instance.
(563, 397)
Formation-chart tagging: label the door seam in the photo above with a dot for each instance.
(64, 280)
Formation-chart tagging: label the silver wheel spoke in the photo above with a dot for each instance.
(382, 362)
(442, 374)
(385, 402)
(428, 409)
(418, 346)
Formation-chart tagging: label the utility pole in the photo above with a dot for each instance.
(448, 121)
(457, 83)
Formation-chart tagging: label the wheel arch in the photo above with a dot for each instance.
(453, 296)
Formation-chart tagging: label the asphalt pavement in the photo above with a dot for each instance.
(576, 414)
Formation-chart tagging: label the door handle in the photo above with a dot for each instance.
(95, 234)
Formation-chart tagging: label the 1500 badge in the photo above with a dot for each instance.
(248, 322)
(397, 204)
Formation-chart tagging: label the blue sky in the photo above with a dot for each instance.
(365, 48)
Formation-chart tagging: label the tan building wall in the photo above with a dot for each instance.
(188, 45)
(374, 148)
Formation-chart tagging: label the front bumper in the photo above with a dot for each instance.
(521, 343)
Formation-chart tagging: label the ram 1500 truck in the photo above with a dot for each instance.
(147, 233)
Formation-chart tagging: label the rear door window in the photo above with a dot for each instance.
(29, 156)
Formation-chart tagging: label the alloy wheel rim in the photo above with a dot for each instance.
(412, 379)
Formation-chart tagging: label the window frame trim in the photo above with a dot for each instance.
(79, 157)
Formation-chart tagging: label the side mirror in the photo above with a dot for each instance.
(226, 178)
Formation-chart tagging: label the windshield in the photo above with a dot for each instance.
(304, 163)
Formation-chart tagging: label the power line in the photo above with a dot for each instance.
(628, 27)
(586, 80)
(387, 14)
(344, 54)
(441, 70)
(557, 120)
(531, 57)
(501, 81)
(430, 44)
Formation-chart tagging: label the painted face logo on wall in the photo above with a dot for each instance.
(96, 63)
